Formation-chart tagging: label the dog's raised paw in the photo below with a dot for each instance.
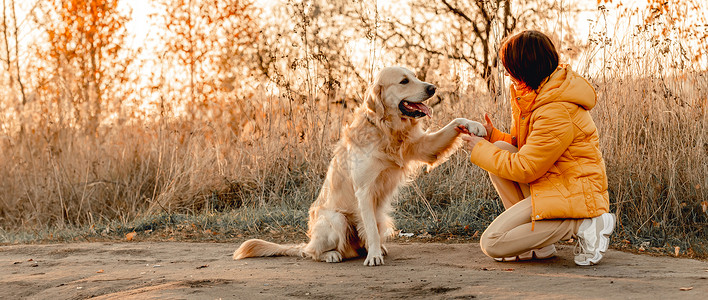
(473, 127)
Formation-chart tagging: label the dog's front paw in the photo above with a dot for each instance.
(374, 258)
(332, 256)
(472, 127)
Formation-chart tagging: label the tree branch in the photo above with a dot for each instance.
(457, 11)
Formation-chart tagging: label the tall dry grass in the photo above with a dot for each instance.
(654, 140)
(653, 128)
(653, 136)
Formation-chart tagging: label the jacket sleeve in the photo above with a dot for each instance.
(549, 137)
(498, 135)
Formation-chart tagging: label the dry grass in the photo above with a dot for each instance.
(259, 166)
(655, 143)
(653, 135)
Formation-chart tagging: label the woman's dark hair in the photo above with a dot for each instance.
(529, 56)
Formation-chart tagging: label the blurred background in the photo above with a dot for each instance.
(218, 117)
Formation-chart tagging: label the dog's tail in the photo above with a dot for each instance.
(257, 248)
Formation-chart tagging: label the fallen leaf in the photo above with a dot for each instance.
(130, 236)
(99, 271)
(704, 205)
(30, 259)
(686, 288)
(676, 250)
(202, 267)
(508, 270)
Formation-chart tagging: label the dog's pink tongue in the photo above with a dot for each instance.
(421, 107)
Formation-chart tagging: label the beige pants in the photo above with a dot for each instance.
(510, 233)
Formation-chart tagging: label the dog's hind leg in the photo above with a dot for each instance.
(327, 236)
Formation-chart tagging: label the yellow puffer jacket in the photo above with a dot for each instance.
(559, 153)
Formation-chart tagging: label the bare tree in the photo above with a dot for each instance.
(312, 38)
(11, 42)
(466, 31)
(420, 35)
(206, 40)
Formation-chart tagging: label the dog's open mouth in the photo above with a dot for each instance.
(413, 109)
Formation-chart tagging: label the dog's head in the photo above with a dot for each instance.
(398, 92)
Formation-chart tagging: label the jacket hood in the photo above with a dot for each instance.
(564, 85)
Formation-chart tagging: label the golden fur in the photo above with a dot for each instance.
(380, 150)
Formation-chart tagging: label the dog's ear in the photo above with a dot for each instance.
(373, 98)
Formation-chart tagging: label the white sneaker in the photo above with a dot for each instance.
(593, 239)
(540, 253)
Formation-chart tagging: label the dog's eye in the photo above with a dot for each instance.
(404, 81)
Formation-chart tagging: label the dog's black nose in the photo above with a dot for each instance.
(430, 89)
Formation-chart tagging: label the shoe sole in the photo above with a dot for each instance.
(604, 240)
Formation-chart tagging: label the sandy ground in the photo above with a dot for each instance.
(176, 270)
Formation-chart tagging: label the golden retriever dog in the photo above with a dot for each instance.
(379, 151)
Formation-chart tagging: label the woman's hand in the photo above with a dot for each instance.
(471, 140)
(488, 125)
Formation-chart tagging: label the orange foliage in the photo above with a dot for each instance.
(85, 38)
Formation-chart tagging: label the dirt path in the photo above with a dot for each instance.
(147, 270)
